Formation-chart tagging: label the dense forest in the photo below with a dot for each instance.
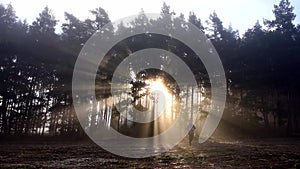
(37, 62)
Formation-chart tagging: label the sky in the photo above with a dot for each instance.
(240, 14)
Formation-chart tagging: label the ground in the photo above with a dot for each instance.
(259, 153)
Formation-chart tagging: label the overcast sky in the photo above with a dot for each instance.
(241, 14)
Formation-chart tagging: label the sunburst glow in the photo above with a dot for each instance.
(163, 97)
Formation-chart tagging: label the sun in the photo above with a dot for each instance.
(163, 96)
(156, 84)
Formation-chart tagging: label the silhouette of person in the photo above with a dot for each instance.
(191, 134)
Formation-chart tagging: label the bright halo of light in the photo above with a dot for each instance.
(158, 87)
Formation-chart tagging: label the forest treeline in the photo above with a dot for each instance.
(36, 66)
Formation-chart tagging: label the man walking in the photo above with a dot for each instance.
(191, 134)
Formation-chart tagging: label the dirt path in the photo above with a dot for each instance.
(279, 153)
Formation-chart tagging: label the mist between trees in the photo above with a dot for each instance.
(36, 66)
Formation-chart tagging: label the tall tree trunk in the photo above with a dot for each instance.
(265, 113)
(28, 115)
(28, 108)
(187, 98)
(192, 105)
(4, 116)
(291, 116)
